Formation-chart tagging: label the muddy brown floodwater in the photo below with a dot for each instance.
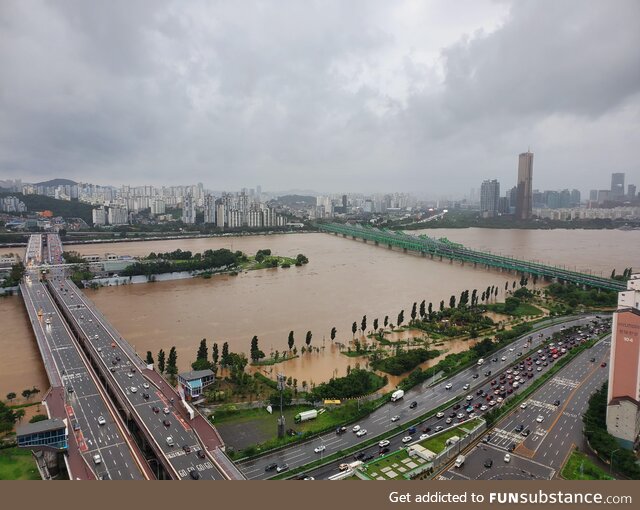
(343, 281)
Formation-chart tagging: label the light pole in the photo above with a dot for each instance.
(281, 383)
(611, 461)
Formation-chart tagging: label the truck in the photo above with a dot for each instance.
(306, 416)
(459, 461)
(480, 361)
(397, 395)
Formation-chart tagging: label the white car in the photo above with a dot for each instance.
(99, 349)
(507, 457)
(355, 428)
(440, 414)
(483, 407)
(466, 387)
(460, 416)
(504, 358)
(145, 386)
(511, 349)
(448, 386)
(129, 375)
(384, 443)
(395, 418)
(524, 405)
(320, 448)
(166, 410)
(499, 400)
(97, 459)
(423, 436)
(361, 432)
(540, 419)
(101, 420)
(406, 439)
(448, 420)
(469, 398)
(134, 389)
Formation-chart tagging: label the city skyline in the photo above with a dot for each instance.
(368, 97)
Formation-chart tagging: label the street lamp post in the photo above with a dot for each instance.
(611, 460)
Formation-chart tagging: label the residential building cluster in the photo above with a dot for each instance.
(329, 206)
(12, 204)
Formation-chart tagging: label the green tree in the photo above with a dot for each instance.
(19, 414)
(452, 302)
(430, 309)
(203, 351)
(11, 396)
(172, 365)
(214, 353)
(423, 310)
(225, 354)
(291, 340)
(363, 324)
(38, 417)
(442, 305)
(26, 394)
(506, 286)
(161, 361)
(414, 311)
(255, 353)
(333, 333)
(354, 328)
(307, 340)
(375, 324)
(386, 321)
(149, 359)
(400, 317)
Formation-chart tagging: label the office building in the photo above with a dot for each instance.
(489, 195)
(524, 186)
(617, 186)
(593, 195)
(631, 191)
(623, 398)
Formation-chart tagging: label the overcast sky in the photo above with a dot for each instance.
(430, 97)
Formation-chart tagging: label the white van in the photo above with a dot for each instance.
(170, 441)
(480, 361)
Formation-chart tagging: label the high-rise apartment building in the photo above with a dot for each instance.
(525, 181)
(617, 186)
(489, 196)
(99, 216)
(188, 209)
(209, 209)
(623, 398)
(631, 191)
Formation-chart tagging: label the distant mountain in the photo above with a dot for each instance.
(57, 182)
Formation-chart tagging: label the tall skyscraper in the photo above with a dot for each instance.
(525, 180)
(617, 186)
(631, 193)
(623, 398)
(489, 195)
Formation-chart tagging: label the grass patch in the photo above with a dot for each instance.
(17, 464)
(376, 466)
(522, 310)
(273, 361)
(439, 443)
(580, 467)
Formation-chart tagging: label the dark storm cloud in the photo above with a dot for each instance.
(368, 96)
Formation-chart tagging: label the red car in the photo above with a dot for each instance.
(603, 364)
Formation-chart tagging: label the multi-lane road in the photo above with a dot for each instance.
(427, 398)
(539, 437)
(153, 410)
(105, 445)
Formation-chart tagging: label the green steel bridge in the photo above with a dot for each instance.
(444, 249)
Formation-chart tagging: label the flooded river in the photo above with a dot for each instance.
(343, 281)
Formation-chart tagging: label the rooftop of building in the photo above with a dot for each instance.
(196, 374)
(40, 426)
